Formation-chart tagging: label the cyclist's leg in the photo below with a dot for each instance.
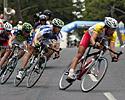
(5, 56)
(21, 53)
(27, 56)
(2, 53)
(24, 60)
(81, 50)
(74, 62)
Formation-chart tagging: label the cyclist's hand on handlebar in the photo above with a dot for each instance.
(114, 59)
(98, 45)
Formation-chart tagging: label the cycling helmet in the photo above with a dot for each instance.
(42, 17)
(7, 26)
(58, 22)
(40, 13)
(36, 17)
(20, 22)
(27, 27)
(47, 13)
(111, 22)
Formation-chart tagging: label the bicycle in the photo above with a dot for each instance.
(91, 71)
(11, 64)
(36, 67)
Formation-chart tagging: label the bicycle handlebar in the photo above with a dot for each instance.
(107, 48)
(117, 53)
(47, 45)
(54, 49)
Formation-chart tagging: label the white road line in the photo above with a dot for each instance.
(109, 96)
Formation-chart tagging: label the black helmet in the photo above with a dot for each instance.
(36, 17)
(47, 13)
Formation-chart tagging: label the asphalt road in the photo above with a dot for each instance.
(111, 88)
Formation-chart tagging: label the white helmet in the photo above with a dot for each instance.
(7, 26)
(20, 22)
(111, 22)
(42, 17)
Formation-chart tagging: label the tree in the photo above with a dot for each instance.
(98, 9)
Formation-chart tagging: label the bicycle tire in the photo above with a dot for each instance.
(63, 84)
(8, 71)
(83, 87)
(2, 70)
(39, 62)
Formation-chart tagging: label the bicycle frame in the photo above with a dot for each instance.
(86, 66)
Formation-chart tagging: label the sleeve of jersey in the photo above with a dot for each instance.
(98, 28)
(113, 38)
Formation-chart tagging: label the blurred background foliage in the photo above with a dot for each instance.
(94, 9)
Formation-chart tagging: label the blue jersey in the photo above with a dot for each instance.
(45, 32)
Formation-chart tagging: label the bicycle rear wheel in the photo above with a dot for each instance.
(9, 70)
(63, 83)
(36, 71)
(94, 74)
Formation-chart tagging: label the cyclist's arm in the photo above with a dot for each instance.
(56, 45)
(112, 44)
(95, 30)
(112, 47)
(11, 39)
(93, 37)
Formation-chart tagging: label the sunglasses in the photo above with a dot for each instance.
(56, 26)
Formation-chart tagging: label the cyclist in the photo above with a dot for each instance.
(48, 14)
(5, 34)
(1, 28)
(46, 33)
(18, 36)
(101, 29)
(36, 20)
(42, 21)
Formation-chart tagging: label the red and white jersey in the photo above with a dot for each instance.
(1, 26)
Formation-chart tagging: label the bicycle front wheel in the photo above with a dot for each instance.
(63, 83)
(9, 70)
(36, 71)
(94, 74)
